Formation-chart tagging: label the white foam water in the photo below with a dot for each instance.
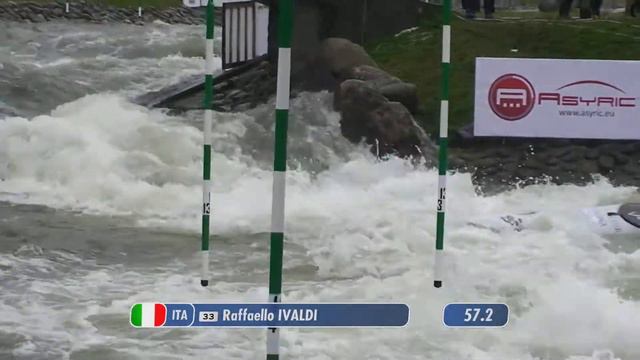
(366, 228)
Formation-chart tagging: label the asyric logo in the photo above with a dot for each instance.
(512, 97)
(573, 99)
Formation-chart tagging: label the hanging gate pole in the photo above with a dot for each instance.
(444, 141)
(206, 168)
(285, 27)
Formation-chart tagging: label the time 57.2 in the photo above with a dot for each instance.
(472, 314)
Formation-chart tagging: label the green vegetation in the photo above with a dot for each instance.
(117, 3)
(415, 56)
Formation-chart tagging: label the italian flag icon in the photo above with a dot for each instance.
(148, 315)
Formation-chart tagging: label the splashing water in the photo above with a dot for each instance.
(101, 210)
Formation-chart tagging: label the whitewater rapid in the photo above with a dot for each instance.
(100, 203)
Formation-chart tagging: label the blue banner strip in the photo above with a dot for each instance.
(281, 315)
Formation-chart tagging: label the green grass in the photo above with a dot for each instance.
(160, 4)
(415, 57)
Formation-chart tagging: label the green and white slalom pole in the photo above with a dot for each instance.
(285, 28)
(443, 142)
(206, 171)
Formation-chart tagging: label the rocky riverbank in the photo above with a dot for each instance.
(82, 11)
(377, 108)
(503, 164)
(236, 90)
(246, 90)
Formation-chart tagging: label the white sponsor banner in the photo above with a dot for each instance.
(194, 3)
(201, 3)
(554, 98)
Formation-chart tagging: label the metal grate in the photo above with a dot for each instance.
(239, 33)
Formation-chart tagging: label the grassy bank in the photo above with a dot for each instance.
(415, 56)
(117, 3)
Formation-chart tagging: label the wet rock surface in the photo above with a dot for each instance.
(374, 106)
(366, 114)
(234, 91)
(499, 165)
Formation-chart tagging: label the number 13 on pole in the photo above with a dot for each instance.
(206, 166)
(285, 29)
(443, 142)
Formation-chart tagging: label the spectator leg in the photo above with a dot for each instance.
(489, 8)
(471, 7)
(595, 7)
(565, 8)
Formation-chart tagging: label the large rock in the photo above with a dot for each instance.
(385, 125)
(341, 56)
(356, 97)
(375, 106)
(402, 92)
(38, 18)
(607, 163)
(369, 73)
(391, 87)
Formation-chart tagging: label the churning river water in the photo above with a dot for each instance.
(100, 209)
